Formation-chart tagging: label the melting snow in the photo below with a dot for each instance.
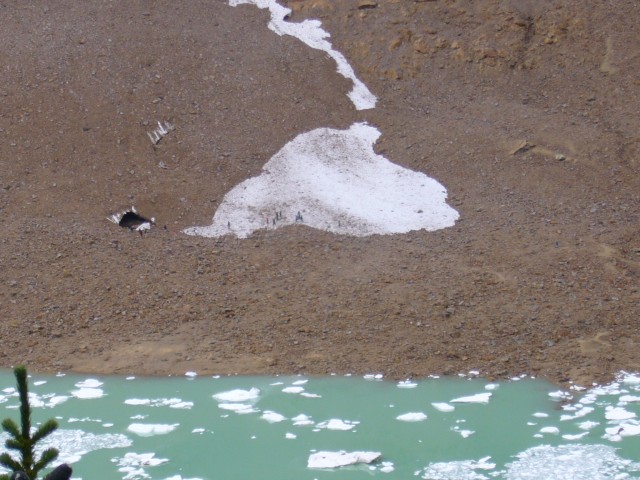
(311, 33)
(333, 180)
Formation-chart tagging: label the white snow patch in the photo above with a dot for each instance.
(333, 180)
(311, 33)
(326, 459)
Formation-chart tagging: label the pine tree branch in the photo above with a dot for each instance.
(9, 426)
(48, 456)
(8, 462)
(45, 429)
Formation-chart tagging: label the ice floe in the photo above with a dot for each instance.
(457, 470)
(477, 398)
(571, 462)
(332, 180)
(412, 417)
(160, 402)
(273, 417)
(151, 429)
(328, 459)
(238, 395)
(134, 464)
(337, 424)
(443, 407)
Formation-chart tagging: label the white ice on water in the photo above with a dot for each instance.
(412, 417)
(238, 395)
(333, 180)
(151, 429)
(477, 398)
(328, 459)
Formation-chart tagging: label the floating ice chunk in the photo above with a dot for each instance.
(326, 459)
(39, 382)
(149, 429)
(290, 436)
(551, 430)
(477, 398)
(412, 417)
(310, 395)
(407, 384)
(88, 393)
(373, 376)
(300, 382)
(618, 413)
(582, 412)
(238, 395)
(272, 417)
(541, 415)
(464, 433)
(302, 420)
(293, 389)
(588, 425)
(443, 407)
(160, 402)
(386, 467)
(575, 462)
(336, 182)
(560, 395)
(198, 430)
(629, 398)
(137, 401)
(134, 464)
(240, 408)
(191, 374)
(89, 383)
(492, 386)
(576, 436)
(625, 429)
(458, 470)
(337, 424)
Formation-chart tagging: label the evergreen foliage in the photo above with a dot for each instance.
(22, 439)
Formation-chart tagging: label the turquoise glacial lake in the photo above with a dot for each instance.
(334, 428)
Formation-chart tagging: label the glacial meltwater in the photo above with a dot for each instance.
(346, 427)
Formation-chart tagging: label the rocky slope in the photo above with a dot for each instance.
(526, 111)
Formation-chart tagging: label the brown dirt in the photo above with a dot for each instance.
(527, 111)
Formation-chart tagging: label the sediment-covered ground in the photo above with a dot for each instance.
(525, 111)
